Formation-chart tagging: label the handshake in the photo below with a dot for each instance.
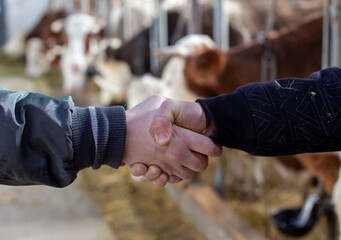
(168, 140)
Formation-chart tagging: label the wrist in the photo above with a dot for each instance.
(125, 157)
(209, 126)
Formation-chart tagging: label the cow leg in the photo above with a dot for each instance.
(253, 179)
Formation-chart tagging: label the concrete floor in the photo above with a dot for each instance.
(44, 213)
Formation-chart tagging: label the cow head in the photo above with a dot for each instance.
(76, 58)
(204, 61)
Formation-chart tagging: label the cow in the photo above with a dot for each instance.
(214, 72)
(74, 61)
(298, 49)
(136, 52)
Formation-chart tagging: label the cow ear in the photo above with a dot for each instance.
(212, 60)
(57, 26)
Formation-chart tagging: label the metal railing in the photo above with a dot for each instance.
(2, 23)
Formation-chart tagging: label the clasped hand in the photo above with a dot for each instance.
(167, 140)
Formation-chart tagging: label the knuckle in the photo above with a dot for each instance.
(149, 177)
(137, 170)
(176, 156)
(159, 122)
(155, 171)
(166, 104)
(157, 97)
(162, 180)
(135, 174)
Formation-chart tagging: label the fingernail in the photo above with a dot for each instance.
(154, 170)
(161, 138)
(139, 169)
(163, 178)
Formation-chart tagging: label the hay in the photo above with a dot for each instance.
(138, 210)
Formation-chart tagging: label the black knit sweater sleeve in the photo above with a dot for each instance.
(281, 117)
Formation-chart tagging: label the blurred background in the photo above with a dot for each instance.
(119, 52)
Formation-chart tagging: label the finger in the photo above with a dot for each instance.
(184, 157)
(179, 157)
(162, 129)
(152, 173)
(137, 169)
(185, 173)
(161, 180)
(197, 142)
(185, 114)
(139, 178)
(163, 121)
(196, 162)
(174, 179)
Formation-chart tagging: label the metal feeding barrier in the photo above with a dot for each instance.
(221, 24)
(93, 7)
(221, 37)
(331, 43)
(194, 13)
(99, 8)
(158, 34)
(268, 61)
(2, 23)
(127, 22)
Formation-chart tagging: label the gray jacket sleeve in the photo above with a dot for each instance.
(46, 140)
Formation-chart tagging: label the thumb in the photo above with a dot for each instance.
(162, 123)
(162, 129)
(184, 114)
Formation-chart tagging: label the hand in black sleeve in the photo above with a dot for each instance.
(286, 116)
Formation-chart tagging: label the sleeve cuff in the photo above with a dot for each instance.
(232, 119)
(98, 136)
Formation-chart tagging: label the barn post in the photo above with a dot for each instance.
(85, 6)
(194, 17)
(331, 46)
(108, 28)
(127, 25)
(163, 25)
(331, 39)
(335, 34)
(325, 61)
(269, 60)
(49, 5)
(102, 8)
(154, 38)
(221, 27)
(221, 37)
(95, 7)
(2, 23)
(71, 6)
